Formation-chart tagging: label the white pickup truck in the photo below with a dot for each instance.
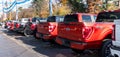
(115, 49)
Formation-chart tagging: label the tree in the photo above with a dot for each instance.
(20, 8)
(26, 13)
(61, 8)
(77, 6)
(42, 8)
(36, 4)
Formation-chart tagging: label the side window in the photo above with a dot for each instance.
(95, 17)
(86, 18)
(59, 18)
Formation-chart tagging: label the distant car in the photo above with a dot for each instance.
(7, 24)
(30, 26)
(12, 25)
(20, 26)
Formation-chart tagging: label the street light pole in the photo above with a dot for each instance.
(2, 10)
(50, 7)
(16, 11)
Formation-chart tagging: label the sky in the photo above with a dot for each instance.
(24, 5)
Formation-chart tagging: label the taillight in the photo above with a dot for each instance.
(86, 31)
(12, 24)
(51, 28)
(33, 26)
(17, 25)
(113, 34)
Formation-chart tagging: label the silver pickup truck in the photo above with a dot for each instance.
(115, 49)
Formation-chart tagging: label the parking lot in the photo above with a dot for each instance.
(30, 47)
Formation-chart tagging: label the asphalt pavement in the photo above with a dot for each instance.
(14, 44)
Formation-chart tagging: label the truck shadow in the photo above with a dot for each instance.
(43, 47)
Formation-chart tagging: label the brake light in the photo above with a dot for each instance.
(87, 31)
(17, 25)
(51, 28)
(113, 34)
(12, 24)
(33, 26)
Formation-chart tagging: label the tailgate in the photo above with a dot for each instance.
(43, 27)
(71, 31)
(47, 27)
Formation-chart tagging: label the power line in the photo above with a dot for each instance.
(13, 4)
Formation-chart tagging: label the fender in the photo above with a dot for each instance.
(104, 34)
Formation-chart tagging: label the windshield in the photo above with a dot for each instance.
(108, 16)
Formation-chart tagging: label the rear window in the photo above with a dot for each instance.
(71, 18)
(86, 18)
(108, 16)
(51, 19)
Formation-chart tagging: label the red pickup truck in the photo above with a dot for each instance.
(12, 25)
(48, 30)
(79, 33)
(30, 26)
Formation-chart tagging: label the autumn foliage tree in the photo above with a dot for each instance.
(41, 8)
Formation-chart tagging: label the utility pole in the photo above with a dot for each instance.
(6, 5)
(16, 11)
(10, 12)
(50, 7)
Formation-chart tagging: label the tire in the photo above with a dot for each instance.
(77, 51)
(26, 32)
(105, 49)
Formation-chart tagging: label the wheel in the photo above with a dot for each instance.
(27, 32)
(105, 49)
(77, 51)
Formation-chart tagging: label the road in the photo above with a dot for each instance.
(14, 44)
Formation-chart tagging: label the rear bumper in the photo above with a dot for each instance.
(49, 37)
(20, 29)
(39, 35)
(76, 45)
